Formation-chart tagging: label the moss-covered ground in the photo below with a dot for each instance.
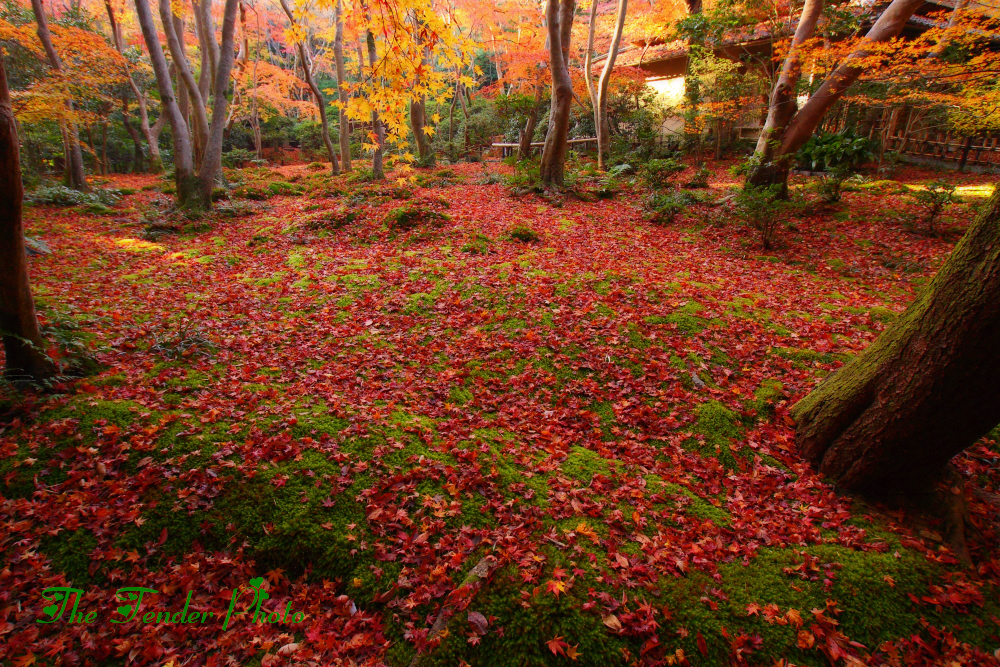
(361, 412)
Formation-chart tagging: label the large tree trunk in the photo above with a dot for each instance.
(338, 57)
(212, 161)
(559, 16)
(22, 340)
(599, 93)
(77, 177)
(926, 388)
(317, 95)
(183, 156)
(773, 167)
(377, 170)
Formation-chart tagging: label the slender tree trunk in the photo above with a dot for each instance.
(603, 125)
(137, 163)
(317, 95)
(926, 388)
(74, 155)
(211, 164)
(22, 340)
(177, 52)
(378, 171)
(183, 156)
(524, 149)
(418, 115)
(418, 120)
(338, 57)
(559, 16)
(774, 165)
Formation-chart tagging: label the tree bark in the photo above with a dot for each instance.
(183, 156)
(926, 388)
(22, 339)
(559, 17)
(524, 148)
(77, 176)
(338, 57)
(212, 161)
(378, 171)
(317, 95)
(599, 93)
(418, 114)
(773, 166)
(177, 52)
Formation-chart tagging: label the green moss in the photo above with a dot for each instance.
(526, 631)
(718, 425)
(769, 393)
(684, 319)
(460, 395)
(70, 552)
(883, 315)
(582, 464)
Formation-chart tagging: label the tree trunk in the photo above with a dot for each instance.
(211, 163)
(22, 340)
(418, 120)
(317, 95)
(926, 388)
(779, 142)
(524, 149)
(177, 52)
(76, 176)
(338, 57)
(377, 170)
(601, 123)
(559, 16)
(183, 156)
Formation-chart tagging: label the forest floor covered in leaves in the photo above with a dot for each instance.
(562, 425)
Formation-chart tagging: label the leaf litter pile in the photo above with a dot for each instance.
(510, 431)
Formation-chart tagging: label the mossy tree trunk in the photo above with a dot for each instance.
(926, 389)
(22, 340)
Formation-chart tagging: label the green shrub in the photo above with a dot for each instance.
(845, 150)
(315, 166)
(662, 209)
(238, 157)
(759, 208)
(934, 199)
(830, 184)
(658, 173)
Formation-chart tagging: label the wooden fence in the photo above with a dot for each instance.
(982, 151)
